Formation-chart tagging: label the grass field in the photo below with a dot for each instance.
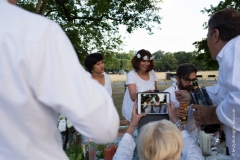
(118, 91)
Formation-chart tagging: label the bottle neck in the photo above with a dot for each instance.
(195, 87)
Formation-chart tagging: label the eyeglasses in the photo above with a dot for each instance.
(188, 80)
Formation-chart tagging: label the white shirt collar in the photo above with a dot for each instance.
(222, 52)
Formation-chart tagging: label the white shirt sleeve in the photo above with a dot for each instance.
(154, 75)
(108, 84)
(131, 78)
(190, 150)
(59, 81)
(125, 148)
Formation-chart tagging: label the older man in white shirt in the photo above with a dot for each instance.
(41, 77)
(224, 44)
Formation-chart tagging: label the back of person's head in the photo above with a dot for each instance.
(160, 140)
(91, 60)
(139, 56)
(184, 70)
(227, 21)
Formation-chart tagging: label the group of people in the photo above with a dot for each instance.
(41, 78)
(154, 105)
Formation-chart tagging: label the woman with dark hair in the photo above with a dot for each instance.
(142, 78)
(95, 65)
(147, 105)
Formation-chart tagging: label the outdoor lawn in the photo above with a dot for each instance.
(119, 90)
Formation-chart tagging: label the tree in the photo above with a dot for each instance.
(183, 57)
(169, 62)
(204, 56)
(202, 49)
(158, 55)
(92, 25)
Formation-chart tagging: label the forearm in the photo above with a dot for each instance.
(191, 150)
(213, 118)
(130, 128)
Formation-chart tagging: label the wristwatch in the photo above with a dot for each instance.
(178, 123)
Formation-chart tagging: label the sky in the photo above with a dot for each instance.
(181, 25)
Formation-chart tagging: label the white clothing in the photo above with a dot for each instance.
(156, 106)
(107, 84)
(226, 94)
(148, 108)
(41, 78)
(190, 150)
(164, 109)
(190, 126)
(141, 86)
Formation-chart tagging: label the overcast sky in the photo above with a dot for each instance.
(181, 25)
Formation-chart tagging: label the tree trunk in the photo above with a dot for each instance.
(43, 7)
(38, 6)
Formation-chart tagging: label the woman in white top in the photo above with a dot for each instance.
(95, 65)
(142, 78)
(156, 105)
(147, 105)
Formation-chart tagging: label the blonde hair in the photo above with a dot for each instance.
(160, 140)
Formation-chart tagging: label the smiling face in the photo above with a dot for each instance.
(98, 67)
(144, 65)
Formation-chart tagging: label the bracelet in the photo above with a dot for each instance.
(132, 124)
(178, 123)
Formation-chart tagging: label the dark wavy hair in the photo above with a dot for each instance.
(136, 61)
(91, 60)
(227, 21)
(184, 70)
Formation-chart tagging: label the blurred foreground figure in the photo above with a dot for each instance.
(41, 78)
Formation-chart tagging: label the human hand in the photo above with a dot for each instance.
(172, 112)
(183, 96)
(205, 115)
(136, 117)
(181, 112)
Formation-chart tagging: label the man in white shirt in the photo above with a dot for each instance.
(185, 76)
(224, 44)
(41, 78)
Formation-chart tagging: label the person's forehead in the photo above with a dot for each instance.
(192, 75)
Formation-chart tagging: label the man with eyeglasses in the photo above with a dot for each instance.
(185, 76)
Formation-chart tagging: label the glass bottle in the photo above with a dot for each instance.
(200, 96)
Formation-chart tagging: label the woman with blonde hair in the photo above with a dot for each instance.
(157, 135)
(159, 140)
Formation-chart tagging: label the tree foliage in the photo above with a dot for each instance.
(202, 48)
(93, 25)
(158, 55)
(169, 62)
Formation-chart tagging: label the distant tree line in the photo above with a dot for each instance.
(164, 61)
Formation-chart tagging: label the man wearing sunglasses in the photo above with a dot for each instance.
(185, 76)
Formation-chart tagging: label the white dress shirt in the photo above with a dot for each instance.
(226, 94)
(41, 77)
(190, 150)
